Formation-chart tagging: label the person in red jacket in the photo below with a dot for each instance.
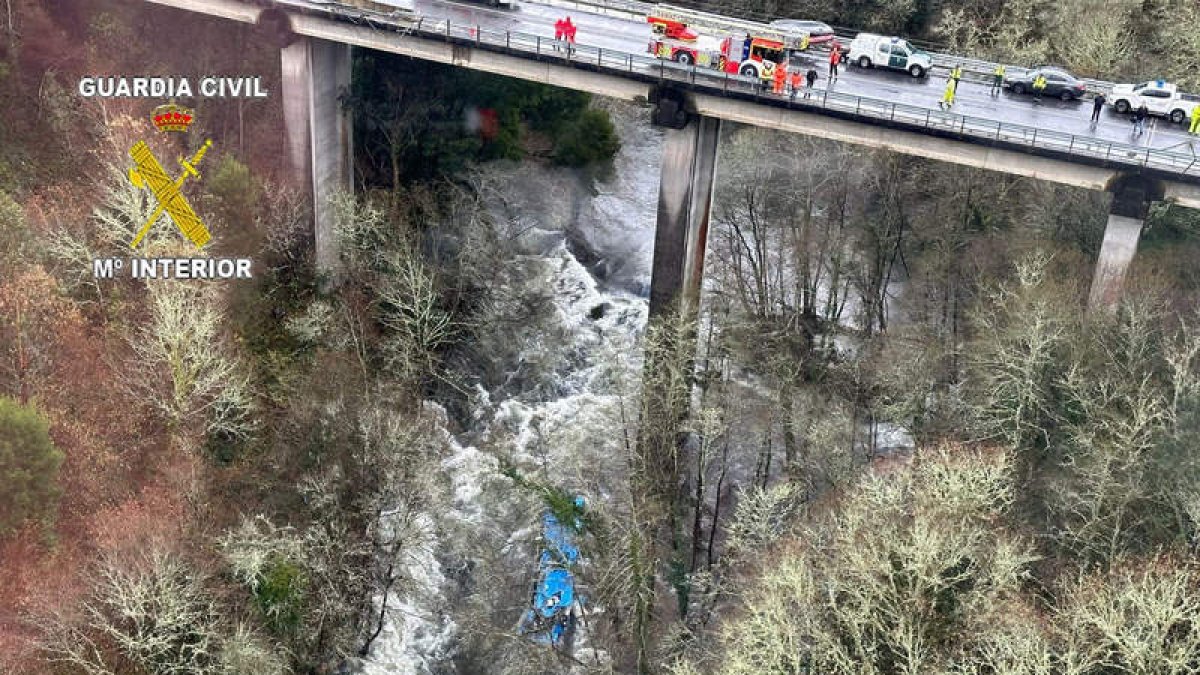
(779, 78)
(835, 57)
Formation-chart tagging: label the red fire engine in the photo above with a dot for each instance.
(751, 55)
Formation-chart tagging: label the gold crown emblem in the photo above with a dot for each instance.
(170, 117)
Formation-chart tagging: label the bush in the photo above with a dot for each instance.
(28, 466)
(236, 190)
(590, 138)
(279, 595)
(15, 239)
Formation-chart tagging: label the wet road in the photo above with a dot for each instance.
(973, 99)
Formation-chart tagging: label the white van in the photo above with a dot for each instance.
(868, 50)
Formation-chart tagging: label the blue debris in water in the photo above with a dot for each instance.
(551, 618)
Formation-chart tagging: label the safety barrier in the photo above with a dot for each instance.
(651, 69)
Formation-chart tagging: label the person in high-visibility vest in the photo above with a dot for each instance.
(947, 101)
(1039, 86)
(997, 79)
(835, 57)
(956, 75)
(798, 83)
(1195, 127)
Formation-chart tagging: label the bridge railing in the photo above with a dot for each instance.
(645, 67)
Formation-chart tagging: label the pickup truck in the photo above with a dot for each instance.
(1161, 98)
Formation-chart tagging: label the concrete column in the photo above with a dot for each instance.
(1132, 195)
(684, 203)
(1116, 253)
(319, 141)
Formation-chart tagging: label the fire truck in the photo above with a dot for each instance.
(750, 56)
(744, 48)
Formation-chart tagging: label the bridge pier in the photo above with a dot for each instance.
(1127, 213)
(684, 203)
(319, 140)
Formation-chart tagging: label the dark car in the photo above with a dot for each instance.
(1059, 83)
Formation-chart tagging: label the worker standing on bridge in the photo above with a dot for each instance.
(947, 101)
(798, 84)
(1139, 119)
(1195, 127)
(956, 75)
(811, 76)
(1039, 86)
(835, 57)
(569, 33)
(779, 78)
(558, 29)
(997, 79)
(1097, 106)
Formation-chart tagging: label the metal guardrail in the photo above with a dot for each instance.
(651, 69)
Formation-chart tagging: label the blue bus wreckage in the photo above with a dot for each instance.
(555, 605)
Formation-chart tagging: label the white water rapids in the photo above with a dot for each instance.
(595, 326)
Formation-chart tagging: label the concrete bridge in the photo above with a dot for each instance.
(316, 39)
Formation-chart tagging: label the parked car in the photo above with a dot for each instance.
(1161, 98)
(1059, 83)
(868, 50)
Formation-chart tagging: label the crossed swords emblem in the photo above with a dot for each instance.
(149, 172)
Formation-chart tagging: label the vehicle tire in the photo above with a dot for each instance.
(749, 70)
(684, 58)
(864, 62)
(1018, 88)
(1066, 96)
(1121, 106)
(1178, 116)
(916, 71)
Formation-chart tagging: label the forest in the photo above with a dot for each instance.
(892, 439)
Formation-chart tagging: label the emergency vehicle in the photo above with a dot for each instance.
(756, 56)
(743, 47)
(1161, 98)
(868, 50)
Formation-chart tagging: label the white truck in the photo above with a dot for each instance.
(868, 50)
(1161, 98)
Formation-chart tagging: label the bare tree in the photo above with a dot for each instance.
(182, 365)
